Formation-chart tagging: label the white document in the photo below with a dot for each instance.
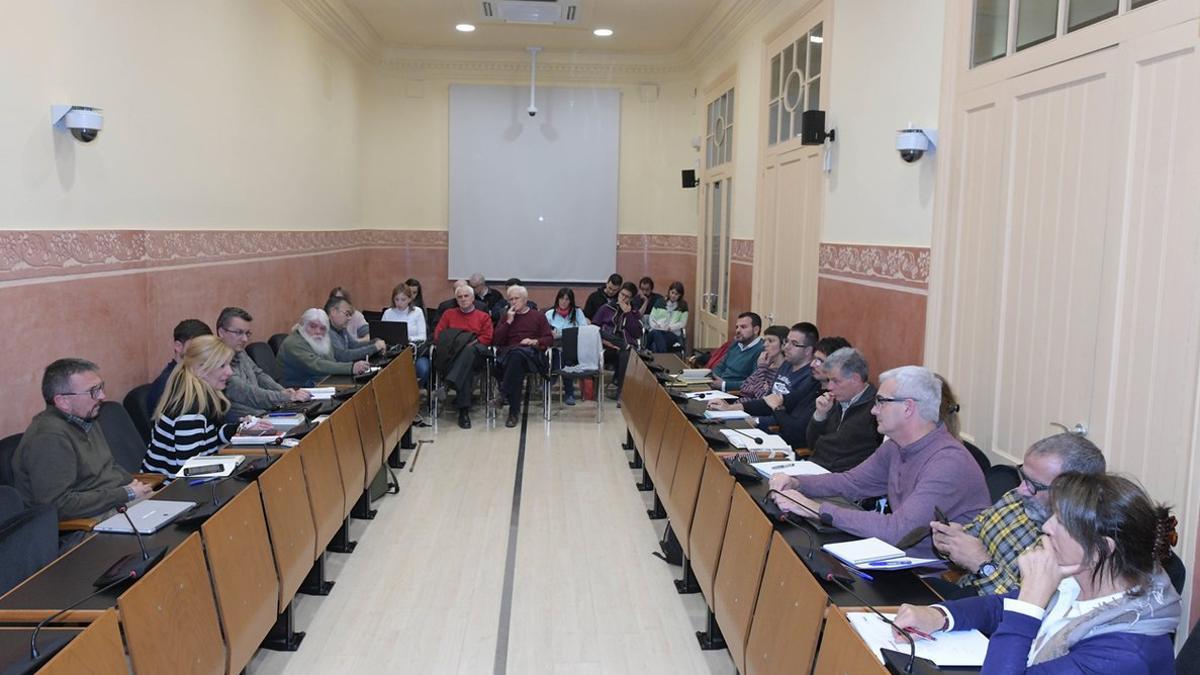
(228, 464)
(739, 439)
(257, 438)
(711, 394)
(801, 467)
(863, 551)
(957, 649)
(321, 393)
(725, 414)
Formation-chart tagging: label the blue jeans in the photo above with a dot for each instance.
(568, 383)
(661, 341)
(422, 367)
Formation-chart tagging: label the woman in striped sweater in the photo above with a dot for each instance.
(189, 419)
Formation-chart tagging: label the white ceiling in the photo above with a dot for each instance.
(640, 26)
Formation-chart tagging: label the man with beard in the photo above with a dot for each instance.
(306, 354)
(63, 458)
(988, 546)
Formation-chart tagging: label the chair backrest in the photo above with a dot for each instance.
(371, 314)
(28, 542)
(323, 479)
(1000, 479)
(122, 435)
(98, 649)
(708, 524)
(739, 573)
(170, 616)
(680, 502)
(980, 458)
(8, 447)
(289, 521)
(787, 617)
(264, 357)
(843, 651)
(370, 433)
(347, 443)
(137, 404)
(275, 340)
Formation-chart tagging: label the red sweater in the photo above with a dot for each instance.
(531, 324)
(476, 321)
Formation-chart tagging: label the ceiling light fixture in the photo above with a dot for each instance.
(816, 39)
(603, 32)
(464, 28)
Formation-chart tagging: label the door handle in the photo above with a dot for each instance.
(1080, 429)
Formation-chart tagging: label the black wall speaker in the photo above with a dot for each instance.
(812, 128)
(689, 178)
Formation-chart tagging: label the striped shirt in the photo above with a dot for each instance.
(1006, 530)
(177, 439)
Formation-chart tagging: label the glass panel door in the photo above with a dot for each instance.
(713, 301)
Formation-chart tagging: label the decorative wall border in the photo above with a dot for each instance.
(657, 243)
(906, 266)
(30, 254)
(742, 251)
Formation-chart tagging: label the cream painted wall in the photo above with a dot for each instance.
(404, 152)
(886, 66)
(218, 114)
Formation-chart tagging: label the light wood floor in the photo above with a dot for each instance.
(423, 591)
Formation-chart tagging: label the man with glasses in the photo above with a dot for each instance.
(842, 431)
(63, 458)
(987, 547)
(794, 393)
(250, 390)
(919, 467)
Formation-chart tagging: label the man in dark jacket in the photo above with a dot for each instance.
(843, 432)
(793, 397)
(605, 295)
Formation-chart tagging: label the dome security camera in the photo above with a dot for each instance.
(912, 144)
(532, 110)
(83, 122)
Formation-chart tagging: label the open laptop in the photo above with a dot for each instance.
(394, 333)
(150, 516)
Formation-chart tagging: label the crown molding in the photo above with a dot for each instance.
(722, 30)
(343, 26)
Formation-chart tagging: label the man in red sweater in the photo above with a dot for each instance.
(461, 374)
(522, 336)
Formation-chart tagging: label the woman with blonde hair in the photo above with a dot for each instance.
(189, 420)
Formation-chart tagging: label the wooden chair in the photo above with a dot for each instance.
(344, 424)
(322, 478)
(98, 650)
(708, 525)
(366, 412)
(170, 616)
(654, 434)
(787, 617)
(396, 410)
(843, 651)
(668, 451)
(289, 522)
(242, 567)
(680, 499)
(739, 572)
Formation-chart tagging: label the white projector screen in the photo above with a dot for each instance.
(533, 197)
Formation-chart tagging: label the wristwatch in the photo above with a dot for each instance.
(987, 569)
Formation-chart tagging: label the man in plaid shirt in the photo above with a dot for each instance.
(988, 546)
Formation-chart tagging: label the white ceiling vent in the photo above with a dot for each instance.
(541, 12)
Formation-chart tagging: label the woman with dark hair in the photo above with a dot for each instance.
(1094, 597)
(761, 381)
(667, 320)
(565, 315)
(414, 285)
(620, 327)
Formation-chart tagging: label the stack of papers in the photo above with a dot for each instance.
(284, 420)
(725, 414)
(958, 649)
(711, 395)
(227, 463)
(875, 554)
(744, 440)
(256, 437)
(801, 467)
(321, 393)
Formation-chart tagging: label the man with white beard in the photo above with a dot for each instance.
(306, 354)
(986, 548)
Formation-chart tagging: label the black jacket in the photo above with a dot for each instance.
(595, 301)
(841, 443)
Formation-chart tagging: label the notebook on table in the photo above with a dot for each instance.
(149, 516)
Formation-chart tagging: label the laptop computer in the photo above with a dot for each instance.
(149, 516)
(394, 333)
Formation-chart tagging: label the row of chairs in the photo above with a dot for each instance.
(228, 589)
(764, 604)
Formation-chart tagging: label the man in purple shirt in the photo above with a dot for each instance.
(919, 466)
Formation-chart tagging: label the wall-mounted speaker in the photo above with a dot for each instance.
(812, 128)
(689, 178)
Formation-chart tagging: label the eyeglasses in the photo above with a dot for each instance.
(239, 333)
(94, 392)
(797, 345)
(880, 400)
(1034, 486)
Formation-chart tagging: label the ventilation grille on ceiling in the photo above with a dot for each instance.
(542, 12)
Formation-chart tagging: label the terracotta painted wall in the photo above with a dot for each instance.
(741, 279)
(113, 296)
(875, 296)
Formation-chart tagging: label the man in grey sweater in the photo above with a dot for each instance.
(346, 347)
(63, 458)
(306, 354)
(250, 390)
